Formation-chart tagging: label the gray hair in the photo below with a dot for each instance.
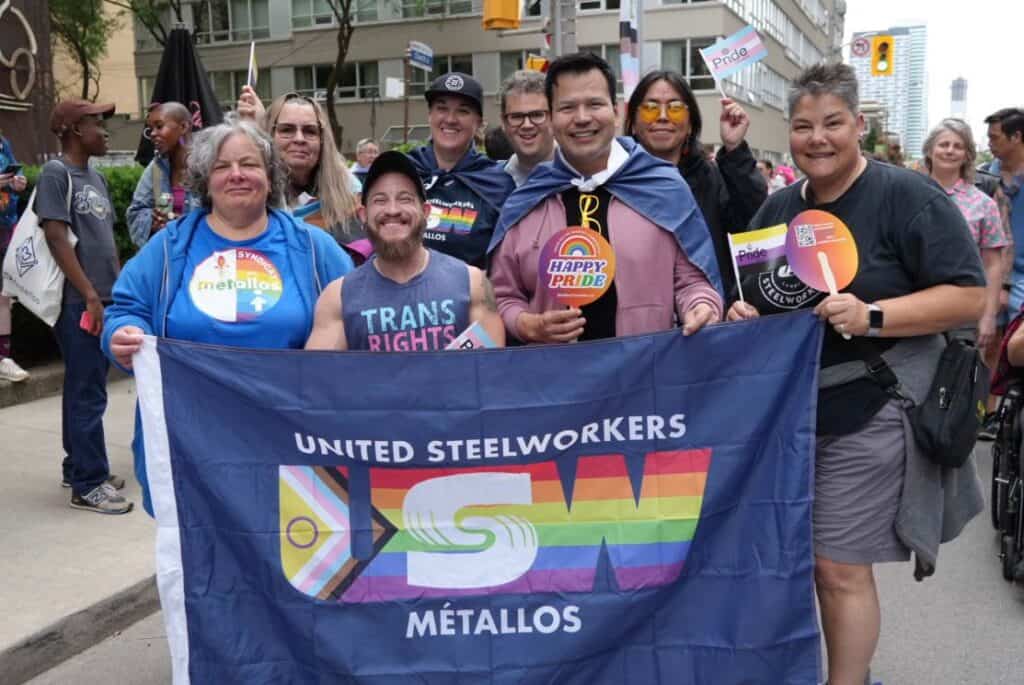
(206, 145)
(362, 144)
(826, 79)
(962, 129)
(522, 81)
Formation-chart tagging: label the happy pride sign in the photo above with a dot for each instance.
(736, 52)
(577, 266)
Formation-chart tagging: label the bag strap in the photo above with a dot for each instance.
(878, 369)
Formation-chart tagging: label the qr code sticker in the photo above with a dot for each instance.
(805, 235)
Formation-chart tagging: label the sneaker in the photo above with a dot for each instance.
(103, 499)
(10, 371)
(989, 427)
(117, 482)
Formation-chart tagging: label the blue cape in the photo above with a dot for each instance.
(485, 177)
(647, 185)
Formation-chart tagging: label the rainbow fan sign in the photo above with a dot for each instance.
(582, 514)
(577, 266)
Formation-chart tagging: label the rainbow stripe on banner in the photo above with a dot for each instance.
(736, 52)
(557, 536)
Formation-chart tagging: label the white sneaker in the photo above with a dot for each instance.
(10, 371)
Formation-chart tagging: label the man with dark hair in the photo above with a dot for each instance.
(526, 119)
(665, 266)
(1006, 141)
(407, 297)
(465, 189)
(90, 269)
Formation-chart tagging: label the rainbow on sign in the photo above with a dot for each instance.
(577, 266)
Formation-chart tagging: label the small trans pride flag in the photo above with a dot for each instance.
(736, 52)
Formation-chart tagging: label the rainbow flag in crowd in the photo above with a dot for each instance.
(601, 513)
(736, 52)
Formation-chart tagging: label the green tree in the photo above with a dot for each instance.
(150, 13)
(868, 142)
(82, 27)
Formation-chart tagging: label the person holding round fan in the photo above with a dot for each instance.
(877, 496)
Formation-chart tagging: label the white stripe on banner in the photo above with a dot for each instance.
(169, 577)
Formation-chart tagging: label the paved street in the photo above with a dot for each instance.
(965, 626)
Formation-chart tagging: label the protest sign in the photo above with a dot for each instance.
(597, 513)
(577, 266)
(473, 338)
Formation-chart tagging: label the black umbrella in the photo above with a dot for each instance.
(182, 78)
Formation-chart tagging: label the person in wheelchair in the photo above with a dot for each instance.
(1007, 455)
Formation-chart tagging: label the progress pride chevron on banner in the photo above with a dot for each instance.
(635, 510)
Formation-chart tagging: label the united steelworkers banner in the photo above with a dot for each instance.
(635, 510)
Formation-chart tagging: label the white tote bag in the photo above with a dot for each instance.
(30, 273)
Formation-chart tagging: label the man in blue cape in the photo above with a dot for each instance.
(665, 268)
(465, 189)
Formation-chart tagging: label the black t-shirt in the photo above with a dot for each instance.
(460, 223)
(909, 234)
(590, 210)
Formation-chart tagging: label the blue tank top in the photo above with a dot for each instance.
(424, 314)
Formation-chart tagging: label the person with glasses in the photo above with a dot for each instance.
(161, 194)
(663, 116)
(320, 190)
(465, 189)
(665, 270)
(239, 271)
(526, 119)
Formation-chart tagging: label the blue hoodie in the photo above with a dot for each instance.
(147, 285)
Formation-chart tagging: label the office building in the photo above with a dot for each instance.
(296, 45)
(958, 99)
(904, 94)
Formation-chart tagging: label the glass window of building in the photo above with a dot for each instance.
(311, 13)
(237, 20)
(598, 5)
(227, 85)
(610, 54)
(442, 65)
(511, 62)
(435, 8)
(684, 57)
(357, 80)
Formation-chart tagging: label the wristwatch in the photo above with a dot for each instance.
(876, 320)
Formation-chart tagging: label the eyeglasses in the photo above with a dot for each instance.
(675, 111)
(537, 117)
(290, 130)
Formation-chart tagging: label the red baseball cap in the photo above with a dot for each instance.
(69, 112)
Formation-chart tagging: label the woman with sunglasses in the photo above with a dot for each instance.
(162, 194)
(320, 190)
(663, 116)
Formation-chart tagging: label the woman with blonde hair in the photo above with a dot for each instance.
(320, 190)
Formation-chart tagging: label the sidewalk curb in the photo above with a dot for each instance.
(46, 381)
(78, 632)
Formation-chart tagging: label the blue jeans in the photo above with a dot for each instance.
(85, 400)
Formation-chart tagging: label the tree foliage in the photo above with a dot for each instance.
(342, 10)
(150, 13)
(82, 27)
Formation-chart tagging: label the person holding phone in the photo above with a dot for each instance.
(12, 183)
(90, 269)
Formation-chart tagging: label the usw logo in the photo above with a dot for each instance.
(440, 532)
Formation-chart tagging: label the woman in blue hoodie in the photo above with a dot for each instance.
(238, 271)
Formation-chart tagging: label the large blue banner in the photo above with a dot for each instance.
(635, 510)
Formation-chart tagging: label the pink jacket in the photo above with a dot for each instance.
(654, 279)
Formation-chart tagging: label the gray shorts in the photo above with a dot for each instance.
(858, 479)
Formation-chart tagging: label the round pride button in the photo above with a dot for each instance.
(577, 266)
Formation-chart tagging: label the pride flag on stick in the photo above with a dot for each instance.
(731, 54)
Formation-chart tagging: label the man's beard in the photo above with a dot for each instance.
(391, 251)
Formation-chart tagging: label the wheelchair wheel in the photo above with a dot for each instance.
(996, 501)
(1008, 553)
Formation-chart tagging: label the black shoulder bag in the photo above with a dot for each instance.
(945, 423)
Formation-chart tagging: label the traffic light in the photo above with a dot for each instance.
(882, 55)
(501, 14)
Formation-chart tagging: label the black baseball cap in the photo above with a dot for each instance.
(457, 83)
(393, 162)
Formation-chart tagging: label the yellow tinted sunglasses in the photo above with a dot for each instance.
(675, 111)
